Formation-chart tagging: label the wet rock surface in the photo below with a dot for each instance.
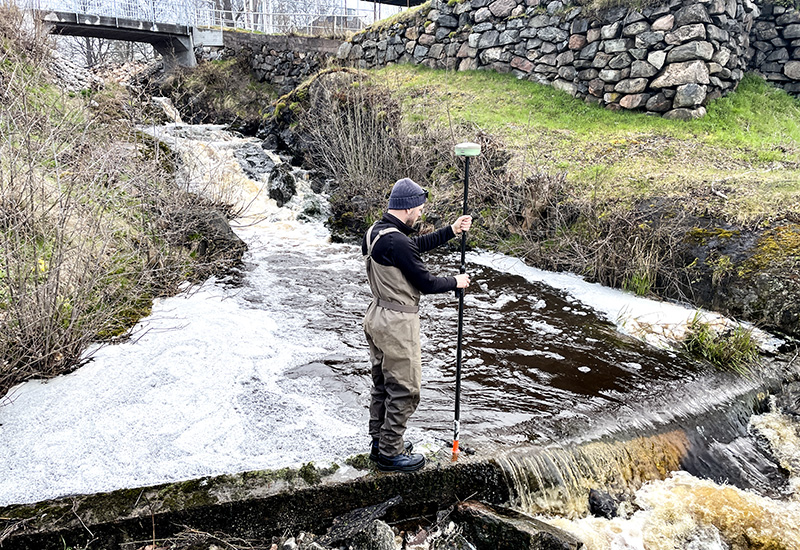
(209, 235)
(491, 528)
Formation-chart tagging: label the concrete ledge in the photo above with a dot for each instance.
(248, 505)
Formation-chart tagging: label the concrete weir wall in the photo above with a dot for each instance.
(668, 59)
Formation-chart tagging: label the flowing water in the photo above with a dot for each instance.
(568, 385)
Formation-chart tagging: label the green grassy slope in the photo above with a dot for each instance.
(746, 149)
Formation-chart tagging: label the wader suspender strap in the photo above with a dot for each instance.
(380, 301)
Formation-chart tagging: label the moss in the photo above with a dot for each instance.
(776, 247)
(406, 16)
(703, 236)
(313, 475)
(360, 462)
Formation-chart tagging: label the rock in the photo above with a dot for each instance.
(255, 161)
(552, 34)
(685, 34)
(620, 61)
(791, 32)
(349, 526)
(664, 23)
(618, 45)
(715, 33)
(693, 13)
(631, 86)
(521, 64)
(502, 8)
(792, 70)
(634, 101)
(579, 26)
(281, 184)
(565, 86)
(689, 95)
(677, 74)
(691, 51)
(602, 505)
(685, 114)
(209, 235)
(657, 59)
(482, 15)
(642, 69)
(658, 104)
(788, 400)
(610, 75)
(489, 39)
(610, 31)
(649, 39)
(635, 29)
(494, 527)
(378, 536)
(577, 42)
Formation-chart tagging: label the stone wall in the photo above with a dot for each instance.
(669, 59)
(284, 61)
(775, 47)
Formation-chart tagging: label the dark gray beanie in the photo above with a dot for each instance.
(406, 194)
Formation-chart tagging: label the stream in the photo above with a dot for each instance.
(569, 385)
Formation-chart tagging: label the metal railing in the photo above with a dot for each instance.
(327, 20)
(333, 23)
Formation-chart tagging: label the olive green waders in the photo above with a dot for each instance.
(391, 326)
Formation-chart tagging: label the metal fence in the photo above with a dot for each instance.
(322, 18)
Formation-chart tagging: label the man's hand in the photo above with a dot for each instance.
(462, 224)
(462, 280)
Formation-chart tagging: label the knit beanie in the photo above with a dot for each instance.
(406, 194)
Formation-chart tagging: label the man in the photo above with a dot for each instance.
(397, 277)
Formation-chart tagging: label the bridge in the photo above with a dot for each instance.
(176, 27)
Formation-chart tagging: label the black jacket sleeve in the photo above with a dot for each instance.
(398, 250)
(407, 259)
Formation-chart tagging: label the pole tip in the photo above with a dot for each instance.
(455, 450)
(468, 149)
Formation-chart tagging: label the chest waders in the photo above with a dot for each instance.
(391, 326)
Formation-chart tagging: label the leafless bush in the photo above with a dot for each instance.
(355, 132)
(84, 246)
(536, 214)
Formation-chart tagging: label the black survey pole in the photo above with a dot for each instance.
(466, 150)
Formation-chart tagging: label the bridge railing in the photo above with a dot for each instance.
(333, 20)
(164, 11)
(336, 22)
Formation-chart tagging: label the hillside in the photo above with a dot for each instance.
(702, 211)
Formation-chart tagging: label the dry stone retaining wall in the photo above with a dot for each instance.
(284, 61)
(669, 59)
(775, 47)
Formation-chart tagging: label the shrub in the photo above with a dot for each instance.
(85, 203)
(734, 349)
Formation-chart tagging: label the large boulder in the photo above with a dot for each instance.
(282, 185)
(209, 236)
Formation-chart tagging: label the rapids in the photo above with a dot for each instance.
(569, 385)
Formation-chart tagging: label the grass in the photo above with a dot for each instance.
(733, 350)
(747, 148)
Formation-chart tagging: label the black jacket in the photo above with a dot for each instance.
(403, 252)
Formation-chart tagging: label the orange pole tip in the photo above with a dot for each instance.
(455, 450)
